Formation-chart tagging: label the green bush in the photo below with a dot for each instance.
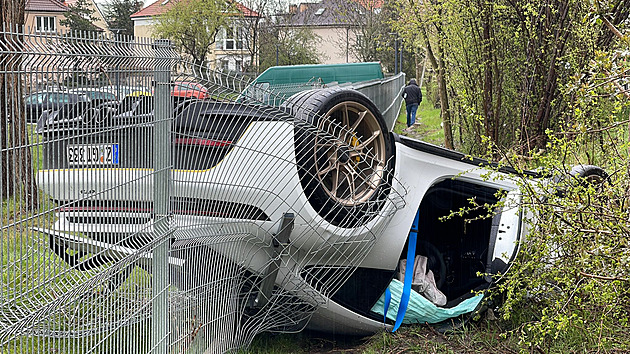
(572, 273)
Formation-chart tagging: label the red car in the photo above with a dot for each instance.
(189, 90)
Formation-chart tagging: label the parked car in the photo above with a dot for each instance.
(318, 183)
(95, 95)
(186, 89)
(121, 91)
(135, 104)
(36, 103)
(71, 104)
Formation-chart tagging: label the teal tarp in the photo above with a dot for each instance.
(421, 310)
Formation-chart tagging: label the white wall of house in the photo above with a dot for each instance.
(143, 27)
(332, 45)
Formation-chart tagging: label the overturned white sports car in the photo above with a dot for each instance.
(279, 217)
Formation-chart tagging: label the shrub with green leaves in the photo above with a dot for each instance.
(572, 274)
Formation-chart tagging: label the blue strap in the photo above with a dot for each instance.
(411, 255)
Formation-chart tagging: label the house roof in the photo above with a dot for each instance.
(157, 8)
(161, 6)
(45, 6)
(370, 4)
(246, 11)
(329, 12)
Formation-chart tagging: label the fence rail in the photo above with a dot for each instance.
(146, 210)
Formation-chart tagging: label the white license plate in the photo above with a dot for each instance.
(95, 154)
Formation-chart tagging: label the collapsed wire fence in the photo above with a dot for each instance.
(151, 205)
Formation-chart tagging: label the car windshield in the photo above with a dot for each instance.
(59, 97)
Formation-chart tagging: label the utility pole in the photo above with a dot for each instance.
(400, 56)
(347, 43)
(395, 55)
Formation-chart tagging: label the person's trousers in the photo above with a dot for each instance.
(411, 114)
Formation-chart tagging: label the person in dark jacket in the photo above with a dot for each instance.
(413, 97)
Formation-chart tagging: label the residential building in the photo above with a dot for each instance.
(334, 22)
(44, 16)
(230, 51)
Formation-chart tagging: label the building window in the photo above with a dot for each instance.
(230, 38)
(225, 65)
(46, 23)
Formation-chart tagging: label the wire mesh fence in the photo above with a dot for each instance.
(146, 208)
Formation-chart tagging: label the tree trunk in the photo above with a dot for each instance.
(550, 89)
(16, 160)
(488, 80)
(445, 108)
(438, 65)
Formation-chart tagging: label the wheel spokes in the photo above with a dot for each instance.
(359, 120)
(365, 143)
(333, 164)
(350, 179)
(335, 183)
(345, 119)
(352, 144)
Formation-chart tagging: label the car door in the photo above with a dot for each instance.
(33, 106)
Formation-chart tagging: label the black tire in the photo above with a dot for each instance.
(343, 151)
(589, 173)
(582, 174)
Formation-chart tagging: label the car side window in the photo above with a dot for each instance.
(36, 98)
(58, 98)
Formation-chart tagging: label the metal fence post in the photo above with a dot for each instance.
(161, 196)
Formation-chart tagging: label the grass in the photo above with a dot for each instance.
(484, 336)
(428, 124)
(33, 278)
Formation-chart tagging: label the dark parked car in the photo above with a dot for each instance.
(96, 96)
(38, 102)
(140, 106)
(85, 109)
